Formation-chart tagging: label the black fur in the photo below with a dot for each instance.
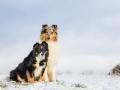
(44, 31)
(28, 62)
(44, 25)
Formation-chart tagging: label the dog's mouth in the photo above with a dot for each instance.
(47, 38)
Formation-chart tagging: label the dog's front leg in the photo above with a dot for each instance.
(40, 78)
(53, 74)
(45, 76)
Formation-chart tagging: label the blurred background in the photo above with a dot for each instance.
(88, 32)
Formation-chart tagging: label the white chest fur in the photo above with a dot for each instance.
(54, 50)
(39, 68)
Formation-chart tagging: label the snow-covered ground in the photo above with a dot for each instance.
(66, 82)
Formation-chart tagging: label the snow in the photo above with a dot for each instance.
(66, 82)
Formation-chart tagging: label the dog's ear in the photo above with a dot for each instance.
(55, 27)
(44, 44)
(35, 45)
(44, 25)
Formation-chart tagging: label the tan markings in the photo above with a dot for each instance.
(20, 79)
(53, 37)
(34, 65)
(30, 79)
(44, 37)
(40, 78)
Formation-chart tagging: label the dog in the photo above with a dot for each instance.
(33, 66)
(50, 35)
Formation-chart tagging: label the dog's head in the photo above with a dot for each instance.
(49, 33)
(45, 33)
(40, 49)
(53, 33)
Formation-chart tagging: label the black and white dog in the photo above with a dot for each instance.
(33, 66)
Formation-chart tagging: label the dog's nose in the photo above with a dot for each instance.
(41, 54)
(48, 38)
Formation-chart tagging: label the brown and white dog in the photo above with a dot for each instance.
(50, 35)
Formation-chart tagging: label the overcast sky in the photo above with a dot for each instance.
(88, 31)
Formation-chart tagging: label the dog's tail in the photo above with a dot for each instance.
(20, 79)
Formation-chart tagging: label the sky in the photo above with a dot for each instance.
(88, 32)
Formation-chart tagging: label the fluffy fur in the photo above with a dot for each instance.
(51, 32)
(33, 66)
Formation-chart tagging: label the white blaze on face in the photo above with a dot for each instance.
(39, 58)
